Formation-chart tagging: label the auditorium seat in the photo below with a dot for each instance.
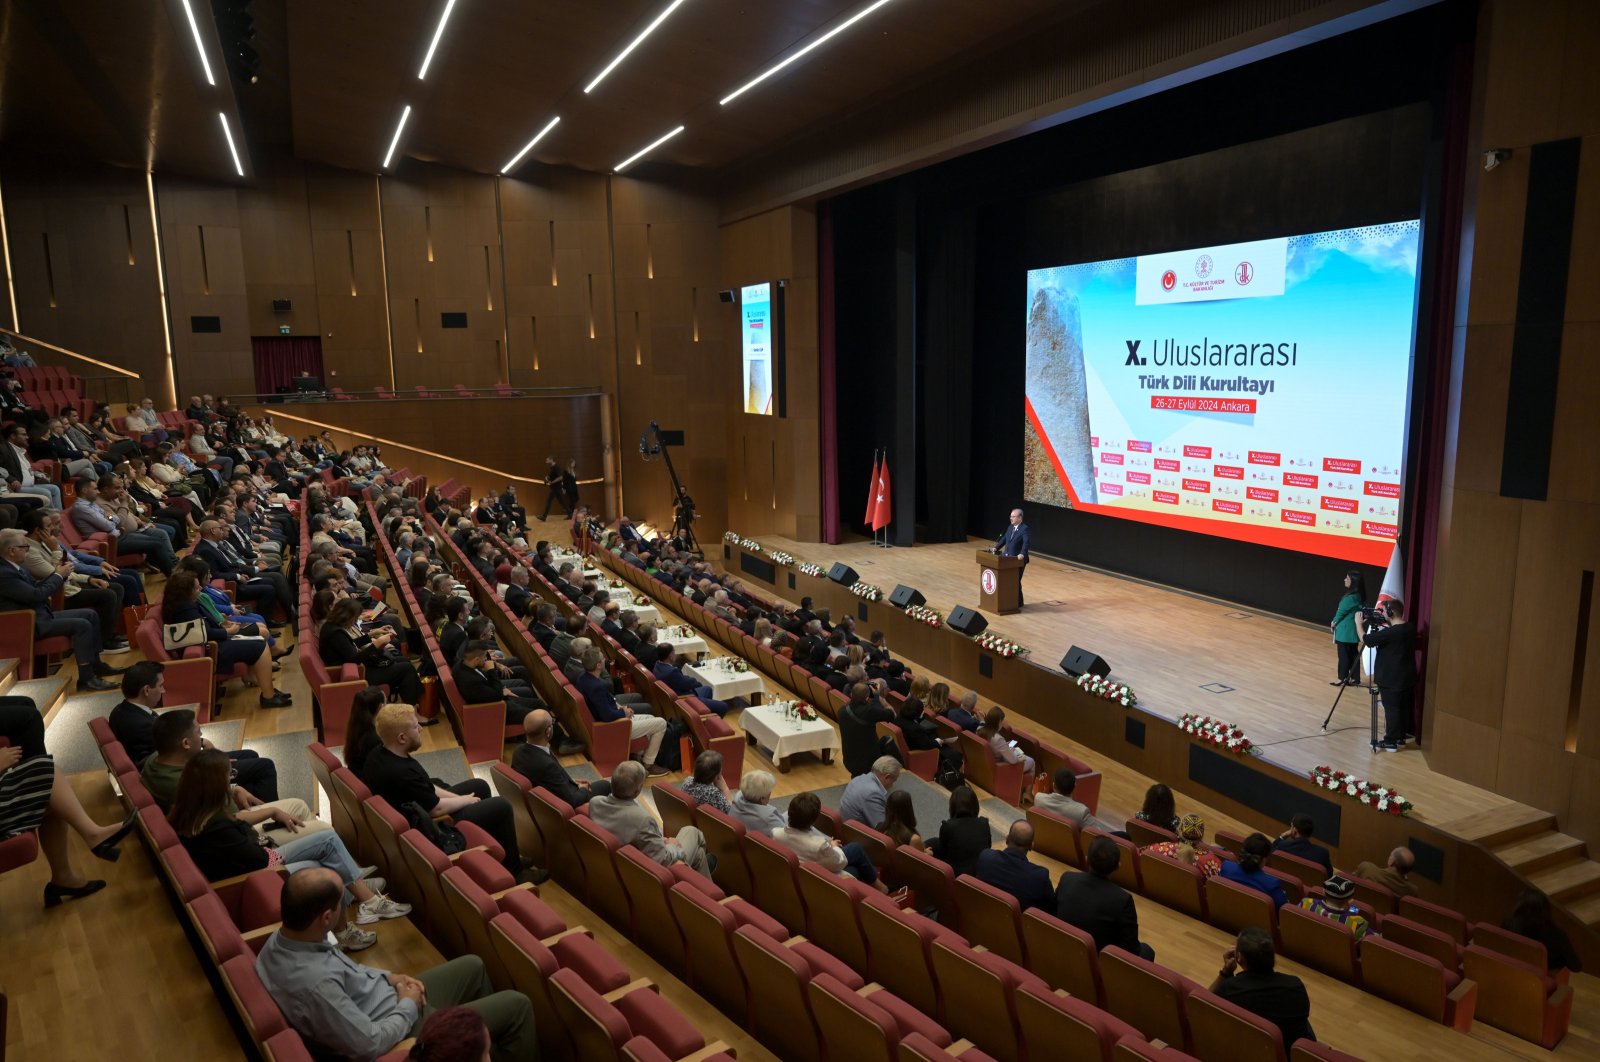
(986, 986)
(529, 960)
(1513, 945)
(1054, 1024)
(1313, 1051)
(1063, 955)
(601, 1024)
(1170, 881)
(1145, 833)
(426, 863)
(1398, 929)
(552, 816)
(1223, 1032)
(868, 1024)
(1418, 982)
(877, 846)
(262, 1018)
(1134, 1049)
(1297, 890)
(713, 734)
(653, 926)
(772, 869)
(1127, 873)
(350, 791)
(642, 1049)
(1372, 896)
(474, 900)
(991, 918)
(1436, 916)
(676, 808)
(932, 883)
(1147, 996)
(708, 927)
(332, 695)
(385, 824)
(1232, 906)
(1056, 837)
(1002, 780)
(1321, 943)
(924, 763)
(725, 840)
(832, 901)
(515, 788)
(900, 951)
(918, 1048)
(1522, 999)
(596, 847)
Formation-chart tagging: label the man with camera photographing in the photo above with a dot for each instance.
(1395, 671)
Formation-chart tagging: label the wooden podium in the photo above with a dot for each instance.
(999, 583)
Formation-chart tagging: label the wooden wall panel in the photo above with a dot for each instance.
(348, 256)
(98, 294)
(203, 253)
(278, 258)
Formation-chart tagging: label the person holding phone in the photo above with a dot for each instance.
(1005, 750)
(343, 641)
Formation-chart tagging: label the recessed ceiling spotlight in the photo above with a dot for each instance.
(232, 150)
(450, 5)
(508, 167)
(659, 19)
(631, 159)
(199, 46)
(840, 28)
(397, 131)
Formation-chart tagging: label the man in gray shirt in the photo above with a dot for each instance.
(1061, 803)
(868, 794)
(359, 1012)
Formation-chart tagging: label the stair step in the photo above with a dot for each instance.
(1569, 880)
(8, 673)
(1540, 851)
(1586, 910)
(1500, 826)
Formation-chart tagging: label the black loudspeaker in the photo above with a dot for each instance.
(967, 621)
(843, 574)
(280, 305)
(1080, 661)
(905, 596)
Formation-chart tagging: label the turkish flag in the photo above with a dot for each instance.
(882, 513)
(872, 493)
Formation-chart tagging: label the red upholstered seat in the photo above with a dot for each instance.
(1220, 1029)
(1417, 982)
(640, 1049)
(528, 909)
(1054, 1025)
(261, 1015)
(1063, 955)
(600, 1028)
(220, 936)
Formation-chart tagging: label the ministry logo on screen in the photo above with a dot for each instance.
(1243, 273)
(1169, 280)
(1202, 266)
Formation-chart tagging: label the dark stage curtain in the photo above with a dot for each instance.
(948, 237)
(279, 359)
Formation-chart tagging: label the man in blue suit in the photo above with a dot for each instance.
(19, 590)
(1009, 870)
(1014, 543)
(667, 670)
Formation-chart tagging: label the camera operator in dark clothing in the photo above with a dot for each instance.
(1395, 672)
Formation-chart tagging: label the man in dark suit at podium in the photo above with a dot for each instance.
(1014, 543)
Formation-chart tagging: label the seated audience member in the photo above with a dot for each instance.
(20, 591)
(1006, 751)
(543, 627)
(630, 822)
(800, 834)
(350, 1011)
(1159, 808)
(561, 646)
(223, 845)
(1248, 870)
(89, 517)
(858, 730)
(1060, 802)
(180, 603)
(1009, 870)
(964, 835)
(1247, 980)
(1395, 875)
(708, 786)
(360, 730)
(536, 761)
(1099, 906)
(752, 804)
(900, 821)
(666, 669)
(1296, 841)
(964, 714)
(922, 734)
(603, 706)
(34, 795)
(392, 773)
(178, 740)
(481, 684)
(133, 721)
(1334, 904)
(85, 587)
(1531, 918)
(518, 598)
(343, 641)
(258, 582)
(867, 794)
(1190, 846)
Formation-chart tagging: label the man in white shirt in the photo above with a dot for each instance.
(19, 468)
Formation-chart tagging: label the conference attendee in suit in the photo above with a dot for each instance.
(1009, 870)
(535, 761)
(1013, 542)
(89, 518)
(964, 835)
(518, 598)
(620, 813)
(19, 590)
(666, 669)
(85, 587)
(631, 538)
(867, 795)
(965, 714)
(1060, 802)
(1099, 906)
(1296, 841)
(1395, 672)
(1395, 874)
(268, 587)
(628, 632)
(858, 729)
(604, 708)
(1247, 979)
(479, 683)
(18, 467)
(543, 627)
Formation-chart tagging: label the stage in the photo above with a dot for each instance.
(1185, 653)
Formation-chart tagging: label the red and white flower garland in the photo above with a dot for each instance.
(1215, 731)
(1384, 799)
(1000, 646)
(927, 615)
(1120, 692)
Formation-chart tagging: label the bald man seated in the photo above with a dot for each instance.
(348, 1010)
(536, 761)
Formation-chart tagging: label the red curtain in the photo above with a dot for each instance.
(279, 359)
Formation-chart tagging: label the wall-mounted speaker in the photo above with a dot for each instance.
(905, 597)
(280, 305)
(1079, 661)
(201, 323)
(843, 574)
(726, 295)
(967, 621)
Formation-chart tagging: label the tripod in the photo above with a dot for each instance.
(1372, 691)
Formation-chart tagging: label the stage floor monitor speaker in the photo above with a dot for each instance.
(843, 574)
(905, 597)
(1079, 661)
(967, 621)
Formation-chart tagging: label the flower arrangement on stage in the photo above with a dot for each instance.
(780, 557)
(927, 615)
(1217, 732)
(807, 568)
(800, 711)
(730, 536)
(867, 591)
(1120, 692)
(1385, 800)
(750, 544)
(617, 584)
(1000, 646)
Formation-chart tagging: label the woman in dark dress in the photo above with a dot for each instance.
(1531, 919)
(342, 641)
(1159, 808)
(180, 603)
(964, 834)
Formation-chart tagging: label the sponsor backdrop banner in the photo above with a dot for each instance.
(1256, 391)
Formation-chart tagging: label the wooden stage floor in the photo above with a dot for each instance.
(1182, 652)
